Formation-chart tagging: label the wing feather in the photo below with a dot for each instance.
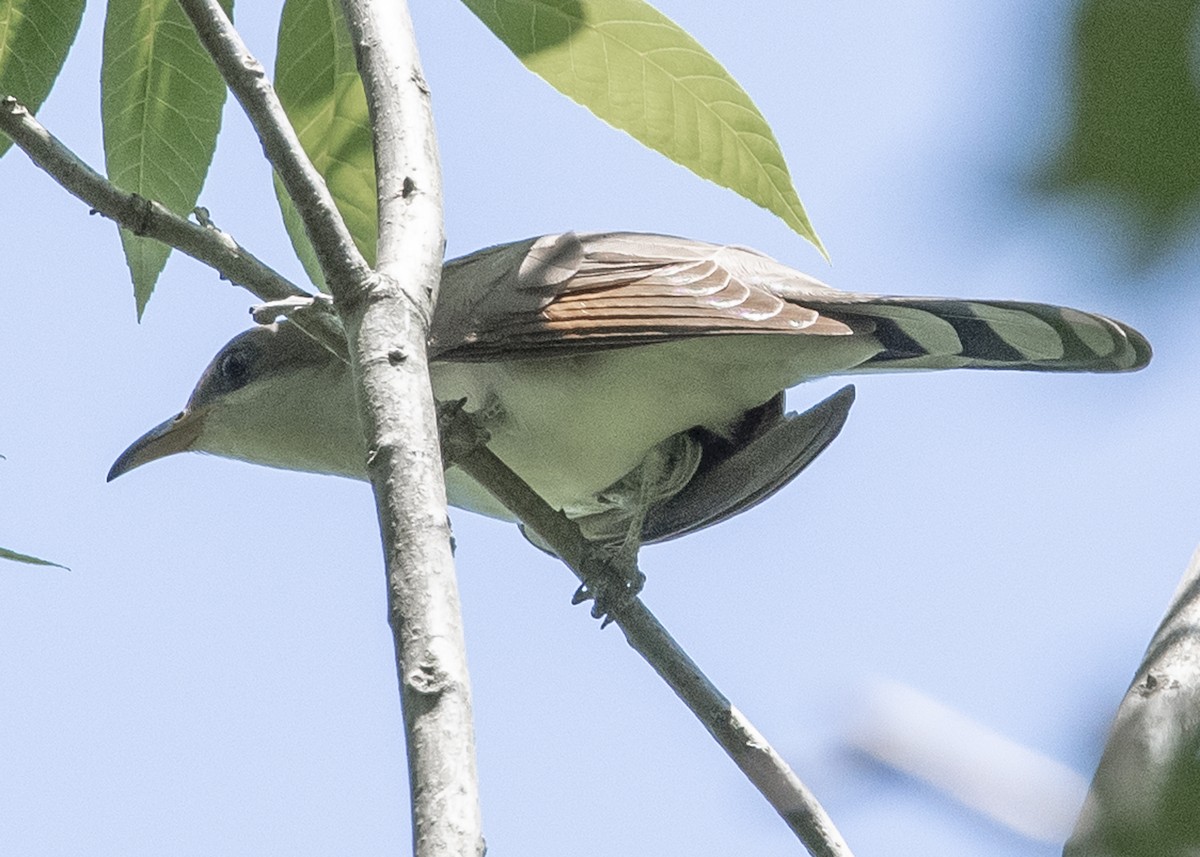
(541, 296)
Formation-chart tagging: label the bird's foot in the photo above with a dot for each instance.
(611, 580)
(461, 432)
(267, 313)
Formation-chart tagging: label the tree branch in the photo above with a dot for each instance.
(386, 331)
(406, 159)
(346, 271)
(736, 735)
(150, 218)
(388, 335)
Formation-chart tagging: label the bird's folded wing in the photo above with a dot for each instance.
(580, 292)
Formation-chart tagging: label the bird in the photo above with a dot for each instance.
(634, 380)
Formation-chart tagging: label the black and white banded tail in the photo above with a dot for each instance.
(935, 333)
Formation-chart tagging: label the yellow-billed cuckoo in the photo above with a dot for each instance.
(635, 381)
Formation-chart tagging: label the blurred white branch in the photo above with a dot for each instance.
(1020, 788)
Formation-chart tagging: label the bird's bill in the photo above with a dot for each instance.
(167, 438)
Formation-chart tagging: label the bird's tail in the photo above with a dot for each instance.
(934, 333)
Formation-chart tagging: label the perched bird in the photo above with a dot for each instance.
(635, 381)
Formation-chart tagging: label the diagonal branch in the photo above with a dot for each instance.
(736, 735)
(150, 218)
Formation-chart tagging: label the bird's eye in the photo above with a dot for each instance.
(235, 368)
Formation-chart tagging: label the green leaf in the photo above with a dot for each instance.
(639, 71)
(318, 83)
(161, 102)
(1134, 130)
(25, 558)
(35, 36)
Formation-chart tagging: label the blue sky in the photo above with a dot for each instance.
(214, 674)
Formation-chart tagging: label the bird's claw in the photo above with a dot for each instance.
(611, 585)
(461, 431)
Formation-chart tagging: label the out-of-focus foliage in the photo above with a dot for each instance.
(35, 36)
(1134, 132)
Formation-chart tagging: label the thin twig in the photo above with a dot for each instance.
(150, 218)
(344, 267)
(744, 744)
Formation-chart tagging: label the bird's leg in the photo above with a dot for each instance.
(655, 470)
(616, 578)
(611, 577)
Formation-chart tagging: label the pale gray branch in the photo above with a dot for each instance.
(386, 331)
(387, 335)
(406, 162)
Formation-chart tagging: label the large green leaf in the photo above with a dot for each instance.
(318, 84)
(639, 71)
(35, 36)
(161, 102)
(25, 558)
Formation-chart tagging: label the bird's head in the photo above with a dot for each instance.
(271, 396)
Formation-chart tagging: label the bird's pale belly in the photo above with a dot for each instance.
(573, 426)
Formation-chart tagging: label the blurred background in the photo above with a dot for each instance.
(214, 674)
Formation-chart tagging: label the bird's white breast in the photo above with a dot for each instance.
(572, 426)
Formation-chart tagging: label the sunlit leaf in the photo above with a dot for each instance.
(35, 36)
(161, 102)
(640, 72)
(318, 83)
